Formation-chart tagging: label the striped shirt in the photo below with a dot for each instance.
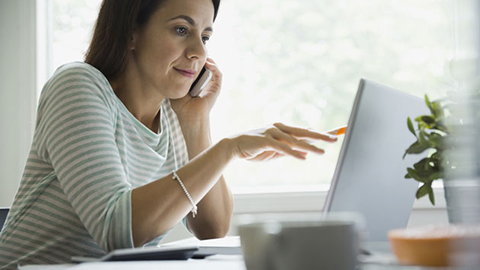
(87, 155)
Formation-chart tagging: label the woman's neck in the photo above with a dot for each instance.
(141, 100)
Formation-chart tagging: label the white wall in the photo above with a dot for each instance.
(17, 91)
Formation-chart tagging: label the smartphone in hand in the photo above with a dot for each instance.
(201, 81)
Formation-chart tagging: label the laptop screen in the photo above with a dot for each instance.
(369, 176)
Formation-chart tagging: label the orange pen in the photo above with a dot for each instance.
(338, 131)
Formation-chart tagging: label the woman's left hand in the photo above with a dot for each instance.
(197, 107)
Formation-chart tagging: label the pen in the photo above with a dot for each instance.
(338, 131)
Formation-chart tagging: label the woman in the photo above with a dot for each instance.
(121, 152)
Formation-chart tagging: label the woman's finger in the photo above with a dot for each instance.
(267, 155)
(294, 142)
(217, 74)
(285, 149)
(305, 133)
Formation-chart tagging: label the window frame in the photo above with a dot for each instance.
(309, 201)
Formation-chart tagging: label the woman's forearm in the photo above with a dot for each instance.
(216, 208)
(158, 206)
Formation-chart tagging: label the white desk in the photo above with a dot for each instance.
(236, 264)
(213, 263)
(223, 262)
(219, 263)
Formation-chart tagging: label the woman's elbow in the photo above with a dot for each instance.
(213, 231)
(212, 234)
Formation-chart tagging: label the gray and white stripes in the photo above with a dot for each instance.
(88, 153)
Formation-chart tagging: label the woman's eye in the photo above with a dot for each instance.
(181, 31)
(205, 40)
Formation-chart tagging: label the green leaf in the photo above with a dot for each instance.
(431, 196)
(437, 109)
(435, 176)
(419, 119)
(436, 156)
(428, 119)
(416, 176)
(416, 148)
(423, 164)
(408, 176)
(436, 141)
(410, 126)
(422, 139)
(422, 191)
(429, 104)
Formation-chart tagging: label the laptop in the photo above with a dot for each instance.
(369, 176)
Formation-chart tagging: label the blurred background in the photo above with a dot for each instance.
(298, 62)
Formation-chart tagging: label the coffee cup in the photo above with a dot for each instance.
(286, 243)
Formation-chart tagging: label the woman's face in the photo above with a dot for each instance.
(169, 51)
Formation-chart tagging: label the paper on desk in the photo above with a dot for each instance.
(45, 267)
(229, 245)
(229, 241)
(171, 265)
(223, 257)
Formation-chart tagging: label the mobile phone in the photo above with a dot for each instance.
(201, 81)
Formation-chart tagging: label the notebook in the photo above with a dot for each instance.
(143, 254)
(369, 176)
(179, 250)
(229, 245)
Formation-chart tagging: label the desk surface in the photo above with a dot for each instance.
(213, 263)
(381, 260)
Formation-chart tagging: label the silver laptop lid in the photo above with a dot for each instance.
(369, 177)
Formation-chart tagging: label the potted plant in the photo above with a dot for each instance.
(450, 133)
(431, 135)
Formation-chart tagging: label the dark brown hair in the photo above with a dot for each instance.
(113, 30)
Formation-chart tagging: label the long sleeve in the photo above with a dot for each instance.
(76, 134)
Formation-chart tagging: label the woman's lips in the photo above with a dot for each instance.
(190, 73)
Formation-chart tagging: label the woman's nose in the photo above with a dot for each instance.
(196, 49)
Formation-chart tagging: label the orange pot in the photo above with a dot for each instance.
(448, 245)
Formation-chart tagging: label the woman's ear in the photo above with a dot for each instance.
(132, 41)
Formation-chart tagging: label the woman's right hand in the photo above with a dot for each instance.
(277, 140)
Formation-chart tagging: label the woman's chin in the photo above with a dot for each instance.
(178, 95)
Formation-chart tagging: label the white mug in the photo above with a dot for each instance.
(321, 243)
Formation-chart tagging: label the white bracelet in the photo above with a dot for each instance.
(194, 207)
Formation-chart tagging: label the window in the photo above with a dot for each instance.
(73, 22)
(300, 62)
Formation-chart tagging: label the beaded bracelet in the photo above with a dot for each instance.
(194, 207)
